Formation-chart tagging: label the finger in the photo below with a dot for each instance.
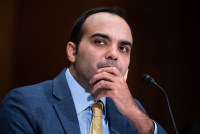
(103, 84)
(112, 70)
(103, 93)
(102, 76)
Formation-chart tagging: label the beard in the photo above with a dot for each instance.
(108, 63)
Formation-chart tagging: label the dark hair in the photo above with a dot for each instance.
(77, 29)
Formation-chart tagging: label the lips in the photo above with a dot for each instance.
(106, 66)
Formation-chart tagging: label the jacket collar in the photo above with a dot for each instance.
(64, 104)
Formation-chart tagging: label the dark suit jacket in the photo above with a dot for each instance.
(48, 108)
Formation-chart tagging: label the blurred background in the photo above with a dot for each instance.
(33, 36)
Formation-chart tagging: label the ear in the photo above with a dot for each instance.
(71, 51)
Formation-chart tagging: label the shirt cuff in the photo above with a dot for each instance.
(155, 127)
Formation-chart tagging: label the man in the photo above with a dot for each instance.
(99, 56)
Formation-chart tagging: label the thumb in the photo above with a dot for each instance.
(126, 75)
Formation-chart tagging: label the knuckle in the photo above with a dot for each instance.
(103, 74)
(102, 82)
(114, 68)
(114, 92)
(121, 80)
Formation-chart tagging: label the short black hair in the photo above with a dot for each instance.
(77, 29)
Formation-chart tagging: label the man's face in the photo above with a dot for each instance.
(106, 41)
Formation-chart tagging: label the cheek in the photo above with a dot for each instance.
(125, 65)
(88, 59)
(92, 56)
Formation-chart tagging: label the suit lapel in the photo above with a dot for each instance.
(64, 105)
(116, 121)
(67, 116)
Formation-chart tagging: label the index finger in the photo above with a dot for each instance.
(112, 70)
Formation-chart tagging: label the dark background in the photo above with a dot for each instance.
(33, 35)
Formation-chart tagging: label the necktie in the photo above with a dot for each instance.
(96, 124)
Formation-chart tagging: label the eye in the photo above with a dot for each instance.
(100, 42)
(124, 49)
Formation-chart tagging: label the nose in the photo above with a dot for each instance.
(112, 53)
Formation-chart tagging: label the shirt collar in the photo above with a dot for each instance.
(82, 98)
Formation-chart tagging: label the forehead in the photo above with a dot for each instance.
(107, 23)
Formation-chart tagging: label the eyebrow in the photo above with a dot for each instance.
(124, 42)
(101, 35)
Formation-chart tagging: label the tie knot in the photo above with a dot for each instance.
(96, 124)
(97, 108)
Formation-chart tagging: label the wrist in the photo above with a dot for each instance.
(142, 122)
